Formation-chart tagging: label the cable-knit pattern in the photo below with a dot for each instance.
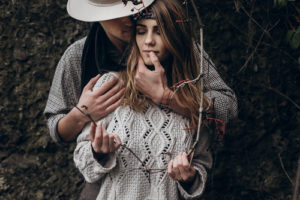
(156, 136)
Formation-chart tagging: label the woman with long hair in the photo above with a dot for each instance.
(140, 150)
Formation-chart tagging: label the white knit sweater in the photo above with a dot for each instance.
(150, 135)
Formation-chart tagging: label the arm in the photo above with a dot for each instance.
(191, 179)
(224, 101)
(65, 122)
(100, 102)
(94, 154)
(153, 85)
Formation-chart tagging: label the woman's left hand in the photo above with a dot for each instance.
(179, 168)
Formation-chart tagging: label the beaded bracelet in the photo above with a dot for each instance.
(86, 113)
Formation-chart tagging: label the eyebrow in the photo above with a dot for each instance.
(144, 26)
(141, 25)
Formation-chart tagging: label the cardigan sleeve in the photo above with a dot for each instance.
(223, 97)
(65, 89)
(202, 162)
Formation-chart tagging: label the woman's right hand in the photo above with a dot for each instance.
(151, 83)
(102, 141)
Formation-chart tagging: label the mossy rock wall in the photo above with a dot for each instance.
(246, 40)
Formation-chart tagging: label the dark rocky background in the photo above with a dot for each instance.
(255, 45)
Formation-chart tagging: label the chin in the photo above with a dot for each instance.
(148, 63)
(147, 60)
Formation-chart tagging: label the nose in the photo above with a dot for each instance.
(149, 39)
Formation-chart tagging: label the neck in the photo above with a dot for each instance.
(119, 44)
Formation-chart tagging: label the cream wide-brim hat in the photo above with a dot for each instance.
(101, 10)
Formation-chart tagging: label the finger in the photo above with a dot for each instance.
(155, 61)
(114, 98)
(105, 142)
(106, 86)
(92, 132)
(117, 141)
(188, 170)
(176, 165)
(141, 66)
(183, 167)
(98, 139)
(170, 170)
(112, 107)
(185, 160)
(91, 83)
(111, 143)
(110, 93)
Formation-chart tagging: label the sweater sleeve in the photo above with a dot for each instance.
(91, 168)
(65, 89)
(202, 162)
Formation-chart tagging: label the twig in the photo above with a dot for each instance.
(274, 90)
(283, 95)
(123, 145)
(283, 168)
(252, 54)
(264, 30)
(201, 83)
(296, 189)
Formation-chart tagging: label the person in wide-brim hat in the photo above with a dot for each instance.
(101, 10)
(72, 82)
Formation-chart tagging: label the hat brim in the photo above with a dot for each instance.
(84, 11)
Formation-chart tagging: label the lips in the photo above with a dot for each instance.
(148, 51)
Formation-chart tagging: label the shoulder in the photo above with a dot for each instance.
(105, 78)
(71, 59)
(75, 49)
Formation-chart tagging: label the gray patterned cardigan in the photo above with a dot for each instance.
(65, 89)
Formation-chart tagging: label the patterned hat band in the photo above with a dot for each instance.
(144, 14)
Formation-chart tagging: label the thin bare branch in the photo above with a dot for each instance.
(260, 26)
(285, 96)
(283, 168)
(296, 189)
(252, 54)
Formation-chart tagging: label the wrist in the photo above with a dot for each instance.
(98, 156)
(189, 180)
(166, 97)
(78, 116)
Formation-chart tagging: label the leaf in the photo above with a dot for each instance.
(289, 35)
(293, 38)
(280, 3)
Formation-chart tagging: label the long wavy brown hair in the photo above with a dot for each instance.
(182, 63)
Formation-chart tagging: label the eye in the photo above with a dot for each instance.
(156, 31)
(140, 31)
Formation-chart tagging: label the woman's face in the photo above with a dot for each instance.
(148, 39)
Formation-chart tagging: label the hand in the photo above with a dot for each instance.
(151, 83)
(102, 141)
(179, 168)
(102, 101)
